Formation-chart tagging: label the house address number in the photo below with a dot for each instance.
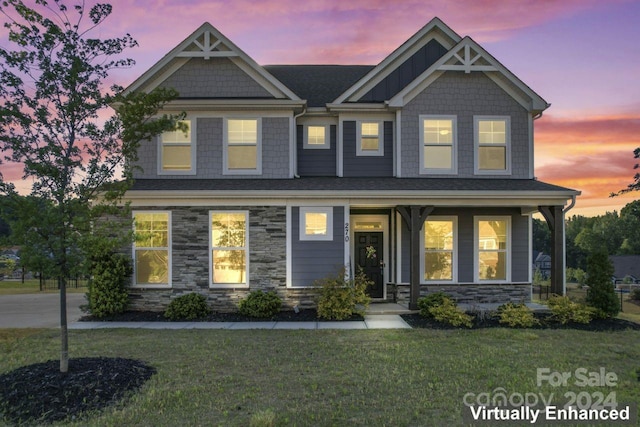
(346, 231)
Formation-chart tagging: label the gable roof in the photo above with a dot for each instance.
(625, 265)
(207, 42)
(318, 84)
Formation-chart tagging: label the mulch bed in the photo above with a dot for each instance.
(545, 319)
(307, 315)
(39, 394)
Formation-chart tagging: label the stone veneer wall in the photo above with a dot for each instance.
(468, 294)
(190, 261)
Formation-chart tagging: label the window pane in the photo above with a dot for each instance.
(438, 131)
(492, 158)
(316, 135)
(492, 132)
(229, 266)
(176, 157)
(369, 144)
(178, 136)
(152, 267)
(242, 157)
(152, 230)
(492, 235)
(438, 266)
(242, 131)
(228, 230)
(438, 235)
(315, 223)
(492, 265)
(369, 129)
(438, 157)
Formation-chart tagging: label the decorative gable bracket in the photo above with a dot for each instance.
(467, 59)
(207, 46)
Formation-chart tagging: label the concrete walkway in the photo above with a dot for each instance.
(374, 321)
(38, 310)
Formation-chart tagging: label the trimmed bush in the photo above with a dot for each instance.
(432, 300)
(107, 293)
(601, 294)
(635, 294)
(516, 315)
(260, 304)
(564, 310)
(188, 307)
(339, 299)
(448, 312)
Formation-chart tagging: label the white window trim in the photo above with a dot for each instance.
(476, 251)
(193, 128)
(246, 249)
(169, 255)
(476, 144)
(225, 147)
(454, 263)
(327, 138)
(370, 153)
(316, 209)
(454, 145)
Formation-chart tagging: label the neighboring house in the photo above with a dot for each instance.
(542, 263)
(625, 266)
(290, 172)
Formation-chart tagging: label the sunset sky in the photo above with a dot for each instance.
(582, 56)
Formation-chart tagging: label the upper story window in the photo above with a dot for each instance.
(152, 248)
(493, 248)
(493, 144)
(177, 151)
(316, 137)
(316, 223)
(369, 139)
(438, 137)
(242, 146)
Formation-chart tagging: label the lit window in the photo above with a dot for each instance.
(242, 146)
(151, 252)
(369, 139)
(229, 246)
(177, 150)
(438, 137)
(492, 144)
(316, 223)
(439, 249)
(492, 248)
(316, 137)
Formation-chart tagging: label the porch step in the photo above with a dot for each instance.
(387, 308)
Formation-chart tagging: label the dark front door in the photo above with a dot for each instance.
(369, 251)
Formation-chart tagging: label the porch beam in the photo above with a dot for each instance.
(414, 216)
(554, 216)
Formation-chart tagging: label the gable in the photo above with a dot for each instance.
(208, 57)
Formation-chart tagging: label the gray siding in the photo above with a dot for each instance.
(314, 162)
(275, 151)
(465, 95)
(369, 166)
(312, 260)
(405, 73)
(214, 78)
(520, 263)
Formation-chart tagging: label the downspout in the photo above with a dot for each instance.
(295, 145)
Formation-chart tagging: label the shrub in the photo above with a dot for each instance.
(432, 300)
(260, 304)
(187, 307)
(338, 298)
(564, 310)
(448, 312)
(107, 293)
(516, 315)
(601, 294)
(635, 294)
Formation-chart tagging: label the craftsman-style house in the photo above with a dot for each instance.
(419, 169)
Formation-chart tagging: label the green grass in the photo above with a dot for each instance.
(31, 286)
(321, 378)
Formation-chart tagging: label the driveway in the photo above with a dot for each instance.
(38, 310)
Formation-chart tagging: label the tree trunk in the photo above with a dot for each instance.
(64, 337)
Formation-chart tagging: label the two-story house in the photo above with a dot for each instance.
(419, 169)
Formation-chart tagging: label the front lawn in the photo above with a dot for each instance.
(328, 377)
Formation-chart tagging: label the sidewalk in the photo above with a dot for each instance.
(374, 321)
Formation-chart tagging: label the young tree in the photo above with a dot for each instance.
(601, 294)
(54, 104)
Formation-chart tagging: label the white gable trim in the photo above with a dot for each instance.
(398, 56)
(460, 58)
(210, 49)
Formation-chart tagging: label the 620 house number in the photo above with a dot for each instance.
(586, 400)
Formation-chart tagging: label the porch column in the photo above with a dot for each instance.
(414, 216)
(554, 215)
